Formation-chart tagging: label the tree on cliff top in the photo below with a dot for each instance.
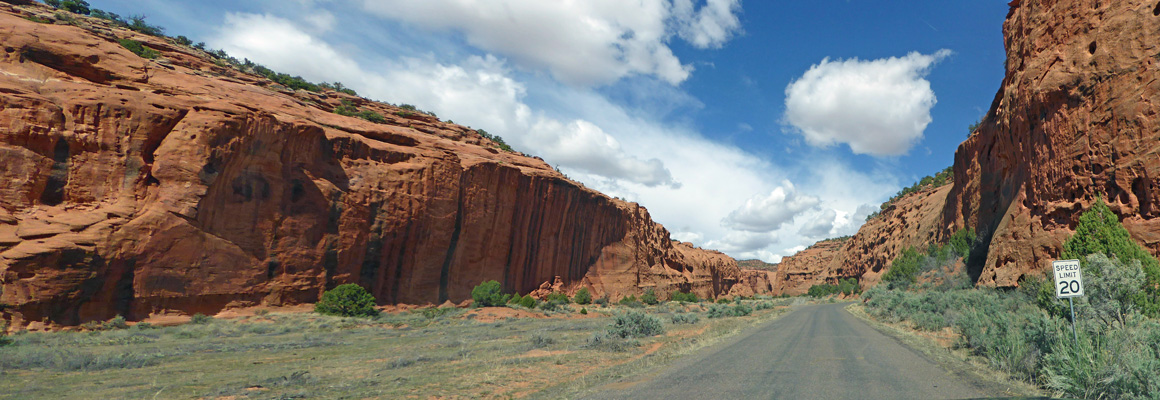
(1099, 231)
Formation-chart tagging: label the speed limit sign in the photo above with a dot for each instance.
(1068, 279)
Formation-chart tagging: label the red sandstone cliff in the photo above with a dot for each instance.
(1076, 117)
(133, 186)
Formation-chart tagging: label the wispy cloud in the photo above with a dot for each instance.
(579, 42)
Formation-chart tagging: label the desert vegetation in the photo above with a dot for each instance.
(349, 300)
(1027, 333)
(846, 286)
(927, 182)
(428, 351)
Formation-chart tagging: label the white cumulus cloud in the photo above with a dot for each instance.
(820, 226)
(580, 42)
(877, 107)
(766, 213)
(478, 91)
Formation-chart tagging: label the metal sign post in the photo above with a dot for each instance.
(1068, 284)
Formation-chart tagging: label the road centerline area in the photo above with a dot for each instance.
(815, 352)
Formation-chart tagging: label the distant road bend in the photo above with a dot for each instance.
(815, 352)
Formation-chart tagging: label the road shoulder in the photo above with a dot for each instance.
(965, 367)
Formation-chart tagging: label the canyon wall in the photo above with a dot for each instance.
(913, 220)
(1075, 119)
(136, 186)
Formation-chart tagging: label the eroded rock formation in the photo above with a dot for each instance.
(1076, 118)
(135, 186)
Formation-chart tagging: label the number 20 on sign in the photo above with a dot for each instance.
(1068, 279)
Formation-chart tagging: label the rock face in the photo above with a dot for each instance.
(795, 274)
(1076, 118)
(911, 221)
(136, 186)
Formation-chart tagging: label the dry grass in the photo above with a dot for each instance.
(398, 355)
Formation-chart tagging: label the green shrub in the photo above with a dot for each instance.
(582, 296)
(436, 312)
(1099, 231)
(685, 318)
(723, 300)
(822, 290)
(928, 321)
(606, 341)
(139, 49)
(75, 6)
(372, 116)
(550, 306)
(603, 301)
(494, 138)
(635, 324)
(346, 109)
(765, 305)
(4, 339)
(558, 298)
(117, 322)
(904, 270)
(1111, 289)
(200, 319)
(849, 286)
(489, 294)
(961, 241)
(846, 286)
(583, 311)
(137, 23)
(631, 301)
(686, 297)
(348, 300)
(528, 301)
(738, 310)
(649, 297)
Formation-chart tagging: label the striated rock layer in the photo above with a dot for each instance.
(136, 186)
(1076, 118)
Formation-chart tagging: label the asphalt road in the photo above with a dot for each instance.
(815, 352)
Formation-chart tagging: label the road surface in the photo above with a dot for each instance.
(815, 352)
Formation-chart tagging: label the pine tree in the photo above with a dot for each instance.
(1100, 231)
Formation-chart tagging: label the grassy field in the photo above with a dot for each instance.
(445, 353)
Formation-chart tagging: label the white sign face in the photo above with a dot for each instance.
(1068, 279)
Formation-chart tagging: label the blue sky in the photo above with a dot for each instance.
(754, 128)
